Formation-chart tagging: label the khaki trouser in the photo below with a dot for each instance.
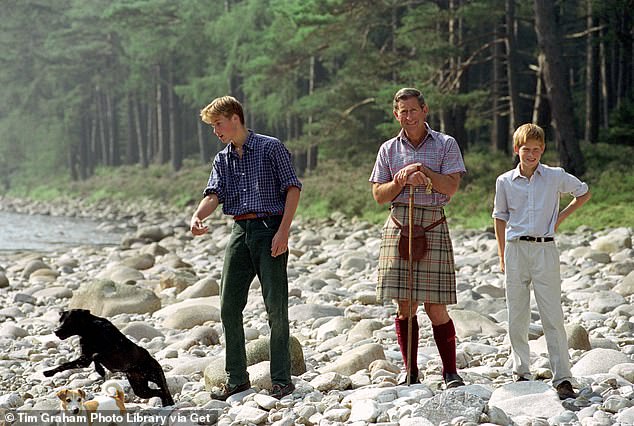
(536, 263)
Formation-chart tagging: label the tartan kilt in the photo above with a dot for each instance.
(434, 278)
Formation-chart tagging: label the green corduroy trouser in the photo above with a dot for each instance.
(248, 254)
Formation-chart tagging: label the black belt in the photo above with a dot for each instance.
(536, 239)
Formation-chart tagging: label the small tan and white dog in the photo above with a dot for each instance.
(73, 403)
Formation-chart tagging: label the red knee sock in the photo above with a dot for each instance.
(401, 335)
(445, 337)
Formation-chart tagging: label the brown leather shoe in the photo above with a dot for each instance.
(280, 391)
(565, 391)
(226, 390)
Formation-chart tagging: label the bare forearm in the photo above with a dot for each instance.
(500, 235)
(572, 206)
(386, 192)
(290, 207)
(206, 207)
(445, 184)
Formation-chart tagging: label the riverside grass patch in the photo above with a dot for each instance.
(337, 186)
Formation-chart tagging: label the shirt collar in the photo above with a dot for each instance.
(248, 143)
(516, 171)
(430, 134)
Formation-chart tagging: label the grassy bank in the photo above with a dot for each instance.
(345, 188)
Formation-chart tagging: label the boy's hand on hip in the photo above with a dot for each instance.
(280, 243)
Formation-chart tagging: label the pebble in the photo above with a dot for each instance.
(160, 287)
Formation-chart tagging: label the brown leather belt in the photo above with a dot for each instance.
(250, 216)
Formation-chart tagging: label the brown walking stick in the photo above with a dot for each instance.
(410, 283)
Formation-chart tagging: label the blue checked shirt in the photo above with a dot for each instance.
(255, 183)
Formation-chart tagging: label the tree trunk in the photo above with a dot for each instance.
(113, 130)
(176, 153)
(151, 133)
(500, 125)
(84, 140)
(203, 143)
(511, 63)
(163, 142)
(131, 152)
(138, 130)
(591, 131)
(93, 154)
(103, 128)
(624, 36)
(311, 89)
(541, 108)
(550, 43)
(605, 82)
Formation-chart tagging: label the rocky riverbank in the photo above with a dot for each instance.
(160, 287)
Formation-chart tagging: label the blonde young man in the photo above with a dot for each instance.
(526, 216)
(254, 180)
(419, 156)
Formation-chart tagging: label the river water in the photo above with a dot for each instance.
(47, 233)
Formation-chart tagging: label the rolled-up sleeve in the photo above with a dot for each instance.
(570, 184)
(453, 161)
(281, 159)
(381, 170)
(500, 205)
(216, 184)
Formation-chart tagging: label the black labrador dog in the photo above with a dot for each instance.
(102, 343)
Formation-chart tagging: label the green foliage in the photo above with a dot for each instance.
(312, 72)
(338, 186)
(621, 130)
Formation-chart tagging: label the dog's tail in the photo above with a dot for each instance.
(113, 388)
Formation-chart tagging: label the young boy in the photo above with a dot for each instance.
(526, 215)
(254, 180)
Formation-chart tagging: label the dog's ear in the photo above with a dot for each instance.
(82, 393)
(61, 394)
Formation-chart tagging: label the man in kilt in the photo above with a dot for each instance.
(431, 162)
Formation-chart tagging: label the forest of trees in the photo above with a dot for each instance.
(89, 83)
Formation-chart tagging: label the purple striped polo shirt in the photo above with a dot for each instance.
(439, 152)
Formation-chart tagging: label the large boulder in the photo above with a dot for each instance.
(190, 316)
(178, 279)
(598, 361)
(107, 298)
(312, 311)
(470, 323)
(259, 349)
(527, 399)
(202, 288)
(121, 274)
(357, 359)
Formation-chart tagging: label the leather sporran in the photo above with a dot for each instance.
(419, 241)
